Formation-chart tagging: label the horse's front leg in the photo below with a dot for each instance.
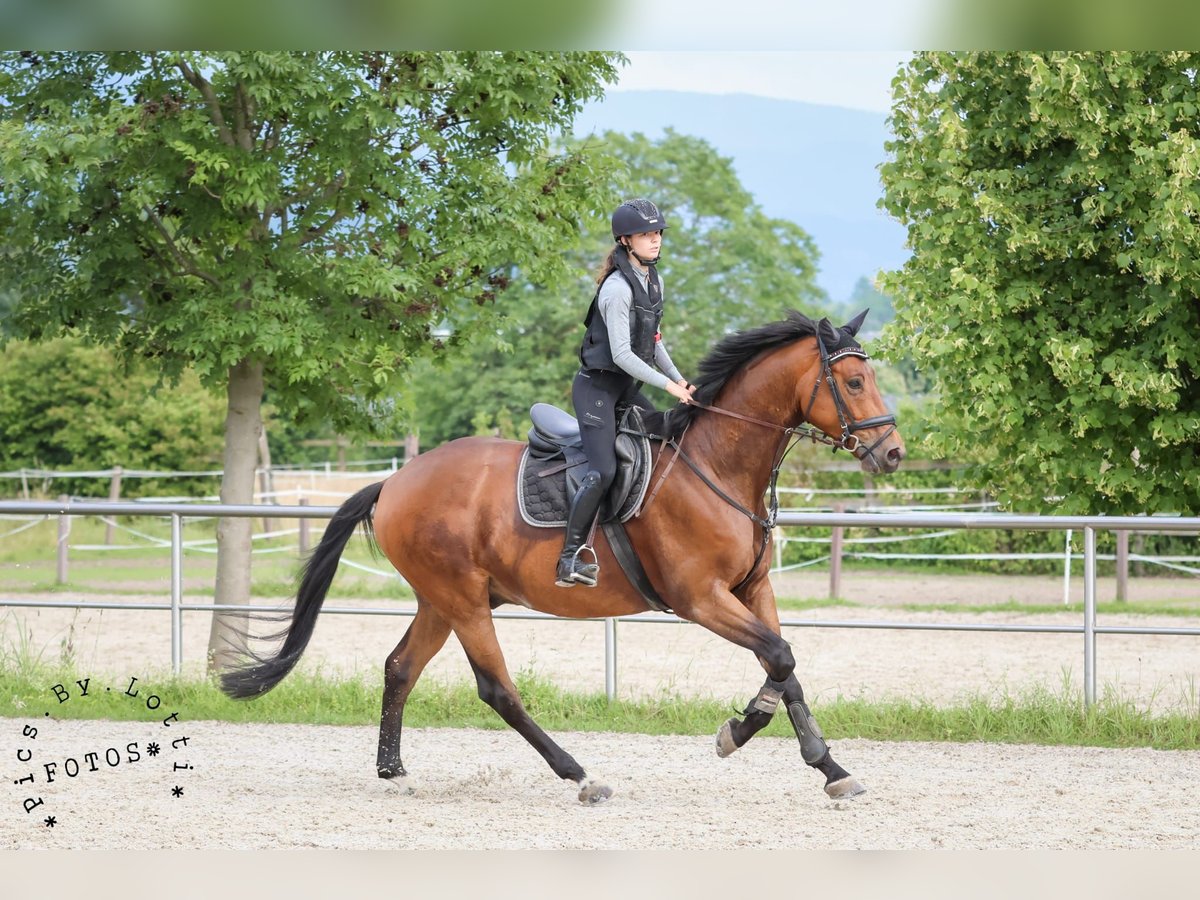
(759, 598)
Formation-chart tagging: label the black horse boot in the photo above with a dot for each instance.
(584, 507)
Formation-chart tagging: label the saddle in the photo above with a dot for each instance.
(553, 465)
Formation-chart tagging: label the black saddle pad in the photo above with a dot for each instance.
(544, 495)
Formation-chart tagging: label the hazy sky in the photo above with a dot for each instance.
(859, 79)
(772, 24)
(841, 53)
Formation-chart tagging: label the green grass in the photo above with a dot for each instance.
(1039, 716)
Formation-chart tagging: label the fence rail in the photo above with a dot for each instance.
(1087, 524)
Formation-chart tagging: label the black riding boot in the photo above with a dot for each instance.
(584, 507)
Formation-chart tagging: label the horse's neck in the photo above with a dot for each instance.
(741, 454)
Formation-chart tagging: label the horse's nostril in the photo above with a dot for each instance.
(895, 455)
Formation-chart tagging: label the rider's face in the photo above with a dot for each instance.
(646, 244)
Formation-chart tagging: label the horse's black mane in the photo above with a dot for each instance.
(728, 356)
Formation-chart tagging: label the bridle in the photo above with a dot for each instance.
(847, 440)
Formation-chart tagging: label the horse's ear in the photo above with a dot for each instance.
(854, 324)
(828, 332)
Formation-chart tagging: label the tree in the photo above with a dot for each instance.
(67, 404)
(1052, 208)
(726, 265)
(287, 220)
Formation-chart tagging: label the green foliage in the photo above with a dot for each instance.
(1051, 202)
(312, 212)
(725, 265)
(67, 405)
(308, 23)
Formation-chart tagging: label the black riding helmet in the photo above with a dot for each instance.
(635, 217)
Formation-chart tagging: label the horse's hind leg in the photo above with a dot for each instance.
(478, 638)
(424, 638)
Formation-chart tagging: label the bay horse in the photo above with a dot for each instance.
(448, 521)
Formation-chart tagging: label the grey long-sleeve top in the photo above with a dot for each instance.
(615, 300)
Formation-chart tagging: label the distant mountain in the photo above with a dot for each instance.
(815, 165)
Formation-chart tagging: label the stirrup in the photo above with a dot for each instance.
(583, 573)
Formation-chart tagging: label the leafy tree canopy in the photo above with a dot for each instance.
(311, 212)
(1052, 206)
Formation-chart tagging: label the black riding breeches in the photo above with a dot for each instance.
(599, 397)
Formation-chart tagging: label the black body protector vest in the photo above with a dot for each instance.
(645, 316)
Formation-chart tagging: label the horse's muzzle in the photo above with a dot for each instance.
(884, 458)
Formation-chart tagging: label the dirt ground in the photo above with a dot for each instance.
(287, 786)
(295, 787)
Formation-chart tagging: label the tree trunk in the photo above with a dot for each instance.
(243, 424)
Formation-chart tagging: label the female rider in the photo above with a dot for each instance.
(621, 347)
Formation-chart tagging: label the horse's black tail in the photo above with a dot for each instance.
(264, 672)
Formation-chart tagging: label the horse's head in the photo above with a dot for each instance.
(844, 402)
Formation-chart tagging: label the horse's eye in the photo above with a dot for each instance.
(855, 384)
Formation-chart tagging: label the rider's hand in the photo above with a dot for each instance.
(681, 390)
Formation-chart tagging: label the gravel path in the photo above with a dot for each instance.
(290, 786)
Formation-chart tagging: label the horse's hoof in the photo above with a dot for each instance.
(725, 744)
(593, 792)
(399, 783)
(845, 787)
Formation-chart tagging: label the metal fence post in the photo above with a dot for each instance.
(176, 593)
(610, 658)
(1089, 616)
(1067, 571)
(64, 534)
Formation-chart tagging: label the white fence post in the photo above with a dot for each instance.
(176, 593)
(64, 535)
(1089, 616)
(1067, 571)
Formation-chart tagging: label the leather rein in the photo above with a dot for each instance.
(848, 441)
